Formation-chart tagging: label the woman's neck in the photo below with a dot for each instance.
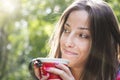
(77, 73)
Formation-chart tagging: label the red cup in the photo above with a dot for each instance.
(46, 63)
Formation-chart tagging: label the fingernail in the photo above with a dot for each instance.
(48, 74)
(56, 64)
(47, 69)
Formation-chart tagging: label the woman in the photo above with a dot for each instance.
(89, 37)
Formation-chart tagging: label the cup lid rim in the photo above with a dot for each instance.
(56, 60)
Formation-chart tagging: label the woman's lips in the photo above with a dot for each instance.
(69, 52)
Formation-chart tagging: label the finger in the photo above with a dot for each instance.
(45, 77)
(64, 68)
(59, 72)
(36, 71)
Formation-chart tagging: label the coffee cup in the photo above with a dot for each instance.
(44, 63)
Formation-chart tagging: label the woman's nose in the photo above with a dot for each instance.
(69, 42)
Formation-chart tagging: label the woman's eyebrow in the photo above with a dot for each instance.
(83, 28)
(67, 24)
(80, 27)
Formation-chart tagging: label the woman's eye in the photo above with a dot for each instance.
(84, 36)
(66, 31)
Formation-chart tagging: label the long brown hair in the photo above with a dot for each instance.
(102, 62)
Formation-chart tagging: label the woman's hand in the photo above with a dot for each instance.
(36, 70)
(61, 70)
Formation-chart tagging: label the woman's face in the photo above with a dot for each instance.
(76, 40)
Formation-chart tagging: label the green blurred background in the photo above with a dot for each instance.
(25, 27)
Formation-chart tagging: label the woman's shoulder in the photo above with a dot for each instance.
(118, 73)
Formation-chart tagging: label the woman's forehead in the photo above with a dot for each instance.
(78, 18)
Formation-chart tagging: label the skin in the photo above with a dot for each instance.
(75, 46)
(76, 40)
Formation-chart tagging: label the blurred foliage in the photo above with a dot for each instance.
(25, 27)
(115, 4)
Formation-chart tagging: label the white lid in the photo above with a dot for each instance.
(56, 60)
